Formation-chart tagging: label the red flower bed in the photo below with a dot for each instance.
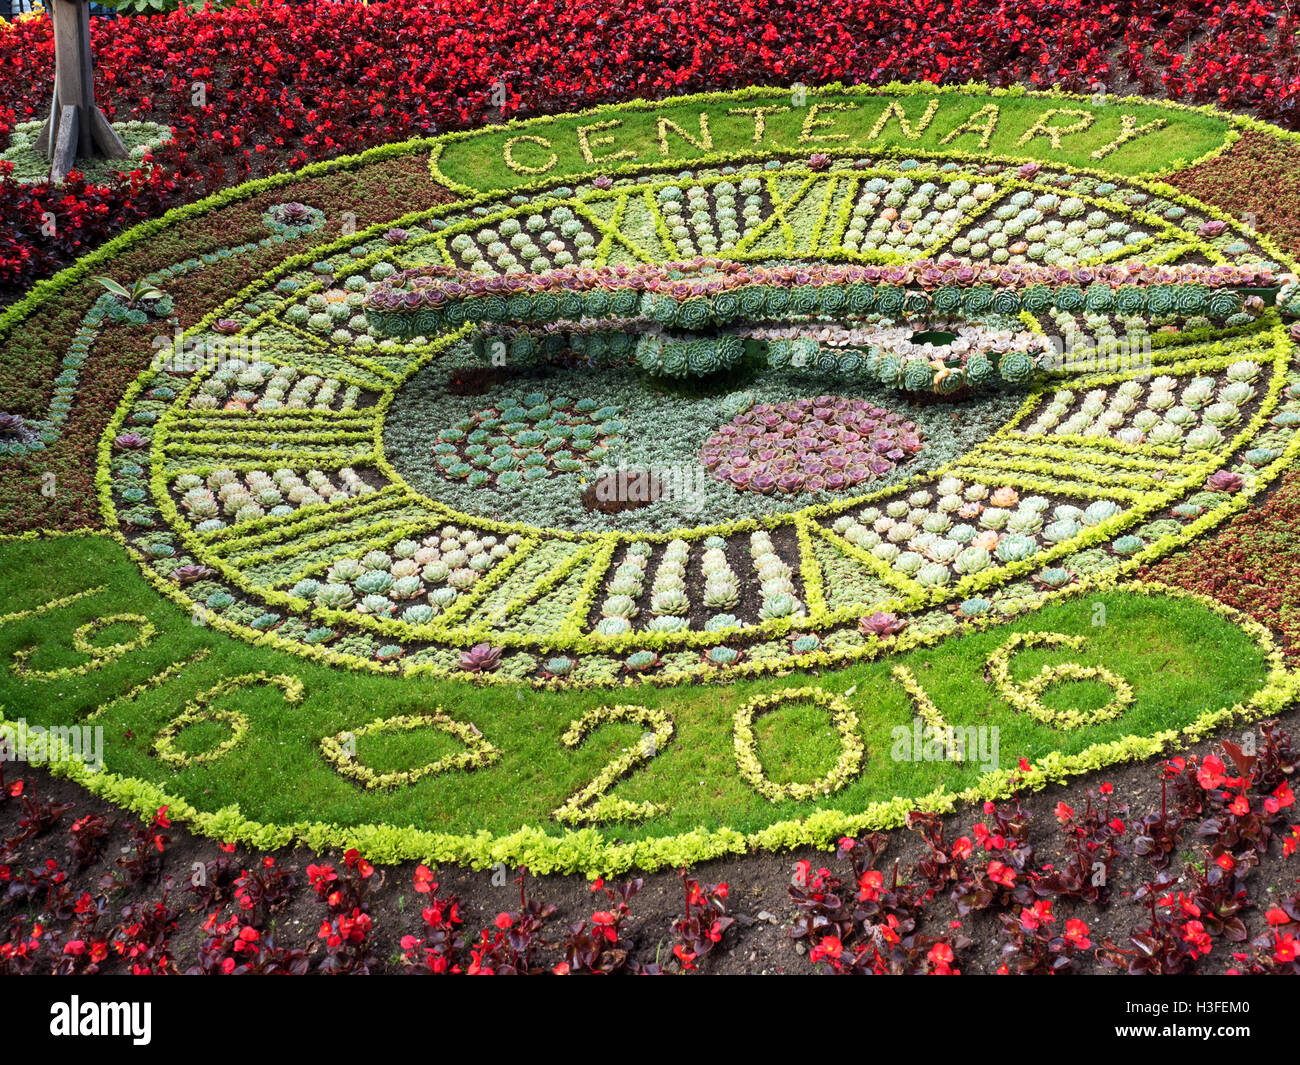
(256, 89)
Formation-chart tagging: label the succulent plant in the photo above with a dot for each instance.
(933, 575)
(481, 658)
(1261, 456)
(735, 403)
(1225, 481)
(619, 606)
(781, 605)
(881, 624)
(971, 560)
(1014, 548)
(723, 656)
(335, 597)
(1055, 577)
(1128, 545)
(721, 593)
(825, 444)
(1016, 368)
(1098, 511)
(1203, 438)
(1244, 370)
(374, 582)
(442, 598)
(1025, 521)
(294, 215)
(641, 661)
(188, 574)
(1059, 531)
(561, 666)
(1222, 415)
(670, 602)
(378, 605)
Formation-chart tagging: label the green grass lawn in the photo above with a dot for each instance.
(1180, 659)
(606, 138)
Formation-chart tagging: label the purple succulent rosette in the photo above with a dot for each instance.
(293, 218)
(14, 430)
(881, 623)
(481, 658)
(826, 444)
(1225, 481)
(11, 424)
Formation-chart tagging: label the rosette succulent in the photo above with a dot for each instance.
(481, 658)
(823, 444)
(881, 623)
(1225, 481)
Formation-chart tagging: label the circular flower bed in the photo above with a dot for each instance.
(330, 442)
(823, 444)
(283, 488)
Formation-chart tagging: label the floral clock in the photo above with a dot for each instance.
(284, 486)
(929, 457)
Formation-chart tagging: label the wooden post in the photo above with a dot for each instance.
(76, 128)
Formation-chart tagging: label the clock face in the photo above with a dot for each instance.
(403, 501)
(591, 593)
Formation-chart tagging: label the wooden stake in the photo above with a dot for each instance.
(65, 144)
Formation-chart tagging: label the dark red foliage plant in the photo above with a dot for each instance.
(39, 817)
(512, 945)
(437, 951)
(872, 931)
(1171, 942)
(1093, 844)
(87, 839)
(1035, 945)
(263, 888)
(704, 923)
(144, 936)
(1277, 951)
(346, 931)
(236, 948)
(599, 947)
(144, 861)
(19, 946)
(1156, 835)
(346, 890)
